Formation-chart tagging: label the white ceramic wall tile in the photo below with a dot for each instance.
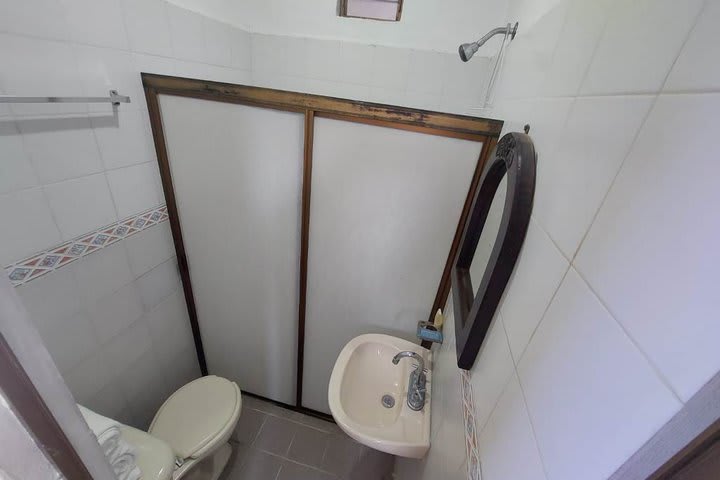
(127, 347)
(111, 402)
(182, 369)
(102, 274)
(158, 283)
(70, 341)
(39, 18)
(593, 397)
(297, 55)
(52, 71)
(491, 372)
(530, 55)
(143, 385)
(28, 224)
(88, 378)
(269, 53)
(660, 230)
(169, 325)
(508, 437)
(147, 26)
(240, 49)
(51, 298)
(145, 63)
(390, 68)
(115, 311)
(547, 118)
(573, 181)
(16, 172)
(696, 68)
(639, 45)
(204, 71)
(218, 42)
(96, 22)
(80, 205)
(135, 188)
(427, 72)
(464, 84)
(105, 69)
(188, 36)
(538, 273)
(125, 140)
(580, 35)
(356, 63)
(150, 248)
(323, 59)
(61, 148)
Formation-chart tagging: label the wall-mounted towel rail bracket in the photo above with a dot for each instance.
(114, 98)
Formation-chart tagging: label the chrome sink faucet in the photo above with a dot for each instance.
(416, 385)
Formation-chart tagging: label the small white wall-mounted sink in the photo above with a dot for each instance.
(362, 375)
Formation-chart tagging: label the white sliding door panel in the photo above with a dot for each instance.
(385, 205)
(237, 177)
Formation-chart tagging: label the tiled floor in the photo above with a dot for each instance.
(273, 443)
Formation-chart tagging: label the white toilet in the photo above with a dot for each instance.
(188, 437)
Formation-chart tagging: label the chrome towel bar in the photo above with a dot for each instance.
(113, 98)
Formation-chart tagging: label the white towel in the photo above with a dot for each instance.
(118, 452)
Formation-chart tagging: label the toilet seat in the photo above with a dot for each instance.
(198, 417)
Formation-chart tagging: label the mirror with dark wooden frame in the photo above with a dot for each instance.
(491, 242)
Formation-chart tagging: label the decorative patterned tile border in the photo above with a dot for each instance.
(472, 452)
(59, 256)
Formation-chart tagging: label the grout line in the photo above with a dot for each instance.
(532, 427)
(647, 358)
(542, 317)
(637, 134)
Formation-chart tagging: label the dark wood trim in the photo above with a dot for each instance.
(689, 454)
(474, 310)
(36, 416)
(294, 101)
(162, 156)
(421, 121)
(304, 246)
(403, 126)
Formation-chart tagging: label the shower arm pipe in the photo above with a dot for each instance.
(508, 29)
(467, 50)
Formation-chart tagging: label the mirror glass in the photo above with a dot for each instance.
(488, 236)
(388, 10)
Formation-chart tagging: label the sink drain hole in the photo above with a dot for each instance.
(388, 401)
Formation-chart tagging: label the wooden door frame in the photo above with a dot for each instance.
(449, 125)
(31, 409)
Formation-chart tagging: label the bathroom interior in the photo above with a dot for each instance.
(359, 239)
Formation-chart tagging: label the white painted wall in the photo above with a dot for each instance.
(21, 457)
(606, 328)
(425, 24)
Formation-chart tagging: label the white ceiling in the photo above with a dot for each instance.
(439, 25)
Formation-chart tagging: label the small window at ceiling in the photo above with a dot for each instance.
(387, 10)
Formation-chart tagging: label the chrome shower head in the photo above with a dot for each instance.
(467, 50)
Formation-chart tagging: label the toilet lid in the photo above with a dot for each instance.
(196, 415)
